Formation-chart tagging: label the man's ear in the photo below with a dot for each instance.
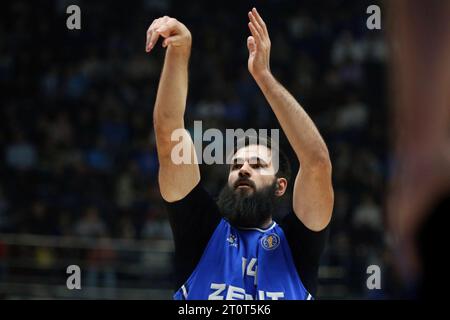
(281, 186)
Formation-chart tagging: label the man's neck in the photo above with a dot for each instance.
(267, 224)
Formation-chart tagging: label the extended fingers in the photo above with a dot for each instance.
(256, 35)
(152, 34)
(260, 21)
(255, 25)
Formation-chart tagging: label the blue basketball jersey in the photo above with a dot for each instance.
(245, 264)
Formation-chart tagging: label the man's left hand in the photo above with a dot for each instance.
(258, 45)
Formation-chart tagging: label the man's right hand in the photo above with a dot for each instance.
(175, 34)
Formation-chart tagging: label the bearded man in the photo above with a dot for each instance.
(233, 249)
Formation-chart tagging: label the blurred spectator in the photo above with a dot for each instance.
(101, 262)
(353, 115)
(90, 224)
(125, 187)
(97, 157)
(157, 226)
(346, 48)
(367, 216)
(76, 83)
(20, 154)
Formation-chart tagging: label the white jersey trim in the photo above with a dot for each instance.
(183, 288)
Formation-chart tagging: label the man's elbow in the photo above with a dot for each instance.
(321, 162)
(158, 122)
(165, 123)
(163, 138)
(157, 125)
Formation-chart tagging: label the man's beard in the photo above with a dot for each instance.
(248, 210)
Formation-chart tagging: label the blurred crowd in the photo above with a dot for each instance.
(77, 149)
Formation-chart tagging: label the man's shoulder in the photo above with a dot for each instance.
(195, 213)
(196, 193)
(198, 200)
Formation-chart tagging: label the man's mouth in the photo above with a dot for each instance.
(243, 185)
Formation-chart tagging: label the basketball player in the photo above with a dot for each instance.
(233, 249)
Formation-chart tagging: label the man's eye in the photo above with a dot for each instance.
(235, 166)
(256, 165)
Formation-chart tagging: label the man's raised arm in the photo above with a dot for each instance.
(313, 193)
(175, 180)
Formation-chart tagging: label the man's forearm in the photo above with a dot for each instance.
(175, 179)
(172, 90)
(300, 130)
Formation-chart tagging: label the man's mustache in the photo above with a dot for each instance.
(244, 182)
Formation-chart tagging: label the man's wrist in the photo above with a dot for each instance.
(181, 52)
(264, 79)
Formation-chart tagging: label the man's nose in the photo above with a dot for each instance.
(245, 170)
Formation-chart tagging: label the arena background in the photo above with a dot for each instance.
(78, 160)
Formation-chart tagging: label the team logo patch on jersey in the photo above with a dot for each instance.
(270, 241)
(232, 240)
